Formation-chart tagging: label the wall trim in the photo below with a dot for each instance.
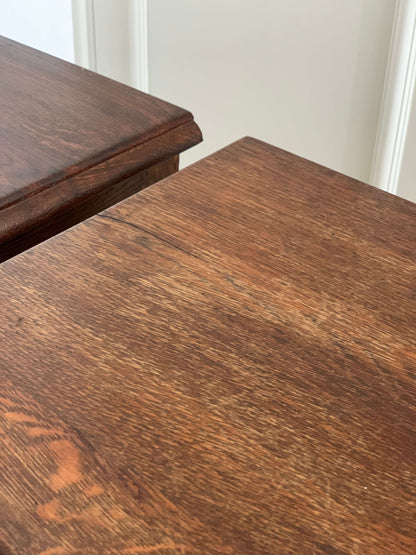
(83, 22)
(397, 99)
(139, 61)
(87, 54)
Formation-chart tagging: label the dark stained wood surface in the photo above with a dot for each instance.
(70, 137)
(71, 203)
(223, 363)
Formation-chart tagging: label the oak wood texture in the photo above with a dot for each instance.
(74, 142)
(222, 363)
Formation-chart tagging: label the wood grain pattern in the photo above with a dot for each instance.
(21, 227)
(62, 497)
(241, 338)
(66, 133)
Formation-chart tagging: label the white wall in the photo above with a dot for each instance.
(305, 75)
(42, 24)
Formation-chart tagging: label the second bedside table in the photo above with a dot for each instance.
(74, 143)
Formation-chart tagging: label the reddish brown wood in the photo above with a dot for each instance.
(20, 223)
(72, 137)
(229, 355)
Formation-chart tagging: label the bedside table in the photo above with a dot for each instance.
(221, 364)
(74, 143)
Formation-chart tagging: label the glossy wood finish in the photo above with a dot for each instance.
(223, 363)
(73, 142)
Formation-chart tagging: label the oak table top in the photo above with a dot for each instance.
(73, 143)
(222, 363)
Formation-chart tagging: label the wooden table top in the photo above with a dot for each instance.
(223, 363)
(67, 132)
